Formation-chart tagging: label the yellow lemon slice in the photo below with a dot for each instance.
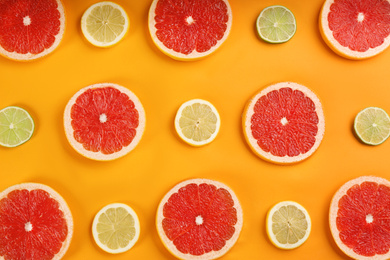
(104, 24)
(288, 225)
(197, 122)
(116, 228)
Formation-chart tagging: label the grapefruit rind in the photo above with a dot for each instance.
(169, 245)
(180, 56)
(252, 142)
(334, 45)
(95, 233)
(269, 222)
(99, 156)
(63, 206)
(189, 140)
(333, 216)
(90, 37)
(29, 56)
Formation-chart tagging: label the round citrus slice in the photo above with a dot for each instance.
(288, 225)
(284, 123)
(356, 29)
(276, 24)
(35, 221)
(372, 125)
(30, 29)
(104, 121)
(359, 218)
(16, 126)
(197, 122)
(199, 219)
(187, 30)
(116, 228)
(104, 24)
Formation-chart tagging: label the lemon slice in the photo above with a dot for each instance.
(372, 125)
(197, 122)
(276, 24)
(104, 24)
(116, 228)
(288, 225)
(16, 126)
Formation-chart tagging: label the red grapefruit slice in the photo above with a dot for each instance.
(187, 30)
(35, 223)
(30, 29)
(284, 123)
(104, 121)
(356, 29)
(199, 219)
(359, 218)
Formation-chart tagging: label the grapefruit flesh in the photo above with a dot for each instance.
(189, 29)
(35, 223)
(356, 29)
(104, 121)
(360, 218)
(284, 123)
(30, 29)
(199, 219)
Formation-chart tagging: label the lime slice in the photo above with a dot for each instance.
(197, 122)
(16, 126)
(372, 125)
(288, 225)
(276, 24)
(116, 228)
(104, 24)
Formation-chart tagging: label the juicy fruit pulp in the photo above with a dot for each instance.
(184, 28)
(30, 27)
(372, 125)
(363, 218)
(285, 122)
(16, 126)
(200, 220)
(33, 226)
(104, 120)
(276, 24)
(368, 28)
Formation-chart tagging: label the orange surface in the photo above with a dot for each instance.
(228, 78)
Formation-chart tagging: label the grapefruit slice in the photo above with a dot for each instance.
(284, 123)
(30, 29)
(359, 218)
(104, 121)
(187, 30)
(356, 29)
(35, 223)
(199, 219)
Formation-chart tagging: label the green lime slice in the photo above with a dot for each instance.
(276, 24)
(372, 125)
(16, 126)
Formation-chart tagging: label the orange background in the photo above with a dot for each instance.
(228, 78)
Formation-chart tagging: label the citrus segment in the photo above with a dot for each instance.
(104, 24)
(35, 221)
(199, 219)
(104, 121)
(189, 29)
(197, 122)
(116, 228)
(276, 24)
(16, 126)
(284, 123)
(356, 29)
(359, 218)
(30, 29)
(288, 225)
(372, 125)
